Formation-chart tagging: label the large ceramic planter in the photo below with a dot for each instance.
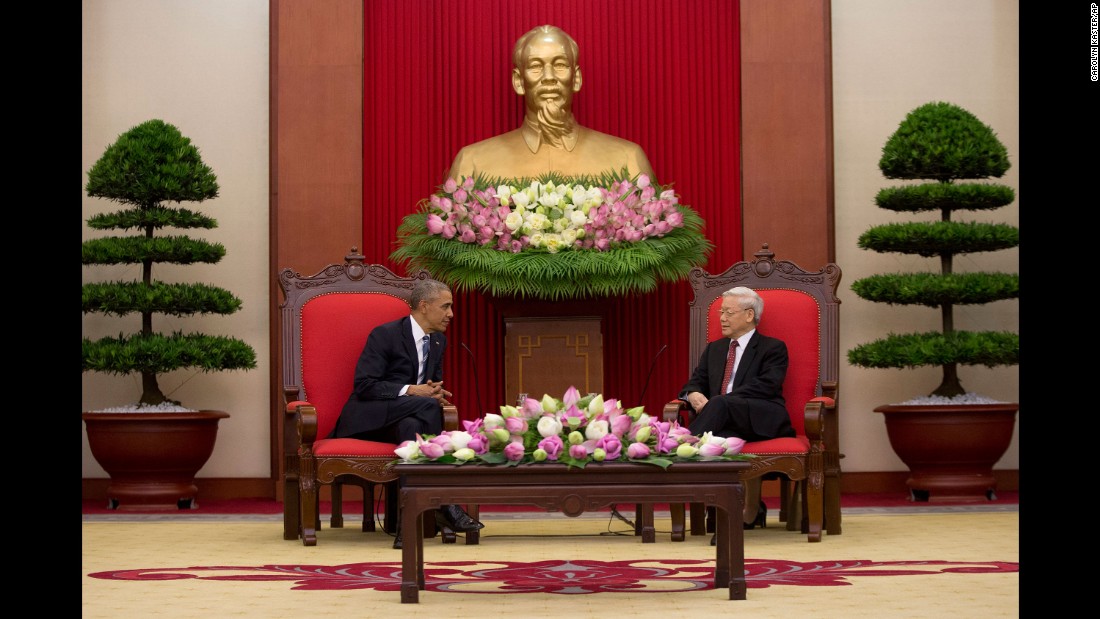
(950, 449)
(152, 458)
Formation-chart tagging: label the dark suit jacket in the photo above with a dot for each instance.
(388, 363)
(759, 378)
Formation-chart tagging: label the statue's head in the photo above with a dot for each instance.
(545, 72)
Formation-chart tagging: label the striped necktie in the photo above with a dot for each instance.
(425, 348)
(728, 374)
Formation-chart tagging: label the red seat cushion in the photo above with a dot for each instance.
(796, 445)
(352, 447)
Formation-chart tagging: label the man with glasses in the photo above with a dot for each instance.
(737, 386)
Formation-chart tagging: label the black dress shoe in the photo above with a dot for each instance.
(761, 519)
(397, 542)
(459, 520)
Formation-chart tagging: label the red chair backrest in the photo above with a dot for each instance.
(794, 317)
(325, 320)
(334, 328)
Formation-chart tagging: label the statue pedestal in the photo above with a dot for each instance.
(551, 345)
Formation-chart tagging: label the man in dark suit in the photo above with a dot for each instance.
(398, 387)
(737, 387)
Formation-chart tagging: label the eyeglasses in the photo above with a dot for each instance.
(726, 312)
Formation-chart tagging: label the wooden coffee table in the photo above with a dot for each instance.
(572, 491)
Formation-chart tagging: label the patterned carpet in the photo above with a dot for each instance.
(888, 563)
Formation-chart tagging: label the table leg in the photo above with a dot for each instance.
(723, 541)
(412, 550)
(736, 548)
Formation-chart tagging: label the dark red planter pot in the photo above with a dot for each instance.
(950, 449)
(152, 458)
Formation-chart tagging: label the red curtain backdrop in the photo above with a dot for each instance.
(662, 73)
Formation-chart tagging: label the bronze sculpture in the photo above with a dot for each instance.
(546, 74)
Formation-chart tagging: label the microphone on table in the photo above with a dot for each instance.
(477, 382)
(652, 364)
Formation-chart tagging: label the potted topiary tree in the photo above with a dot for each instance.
(951, 439)
(153, 450)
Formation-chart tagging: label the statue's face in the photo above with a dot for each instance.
(548, 74)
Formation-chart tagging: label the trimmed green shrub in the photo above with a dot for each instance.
(148, 166)
(942, 143)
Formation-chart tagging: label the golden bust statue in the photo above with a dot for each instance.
(546, 74)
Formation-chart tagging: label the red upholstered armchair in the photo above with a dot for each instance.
(800, 308)
(325, 322)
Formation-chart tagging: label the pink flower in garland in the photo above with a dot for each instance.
(553, 446)
(513, 451)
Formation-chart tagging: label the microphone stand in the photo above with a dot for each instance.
(652, 365)
(477, 381)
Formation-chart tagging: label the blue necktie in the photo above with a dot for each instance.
(425, 348)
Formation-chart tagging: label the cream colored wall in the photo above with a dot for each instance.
(889, 58)
(201, 65)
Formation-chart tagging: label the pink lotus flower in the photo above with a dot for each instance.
(513, 452)
(431, 450)
(734, 445)
(637, 451)
(435, 224)
(553, 446)
(515, 425)
(479, 443)
(571, 397)
(531, 408)
(612, 445)
(574, 418)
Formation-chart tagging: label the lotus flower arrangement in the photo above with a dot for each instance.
(553, 237)
(573, 430)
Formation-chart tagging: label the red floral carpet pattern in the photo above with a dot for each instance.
(561, 577)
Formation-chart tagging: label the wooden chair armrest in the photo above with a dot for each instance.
(678, 411)
(450, 417)
(305, 418)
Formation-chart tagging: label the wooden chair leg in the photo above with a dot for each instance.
(368, 507)
(310, 518)
(336, 520)
(814, 507)
(447, 533)
(784, 500)
(676, 512)
(796, 498)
